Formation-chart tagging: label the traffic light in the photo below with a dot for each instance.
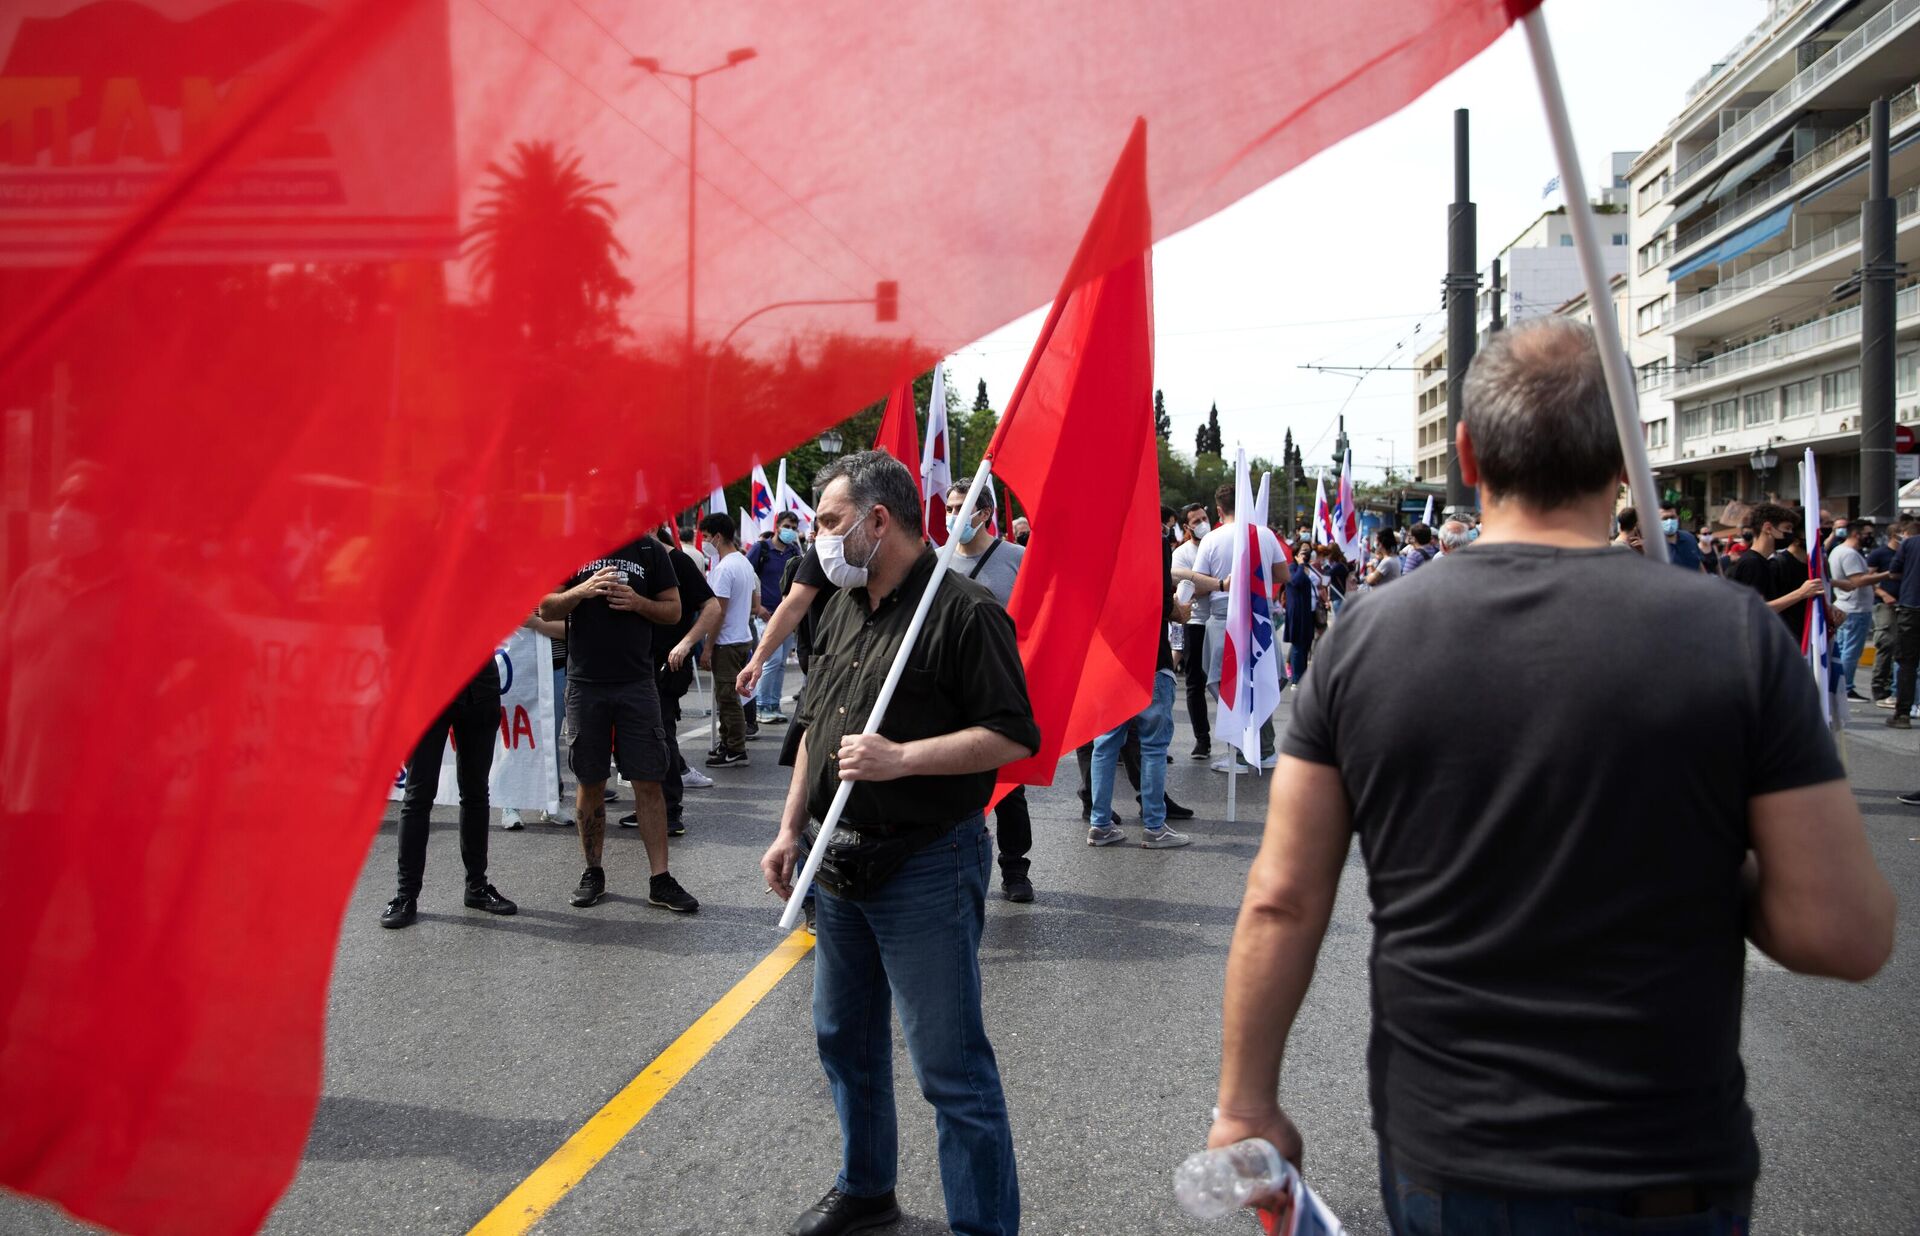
(886, 301)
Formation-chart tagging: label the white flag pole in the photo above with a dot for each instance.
(1586, 242)
(791, 915)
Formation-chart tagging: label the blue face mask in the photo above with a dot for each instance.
(965, 534)
(1473, 534)
(1669, 526)
(788, 536)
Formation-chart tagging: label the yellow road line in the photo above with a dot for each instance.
(569, 1165)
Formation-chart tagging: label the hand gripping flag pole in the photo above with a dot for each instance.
(791, 915)
(1586, 243)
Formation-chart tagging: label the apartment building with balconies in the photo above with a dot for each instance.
(1430, 413)
(1745, 222)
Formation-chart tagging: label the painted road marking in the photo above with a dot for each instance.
(582, 1152)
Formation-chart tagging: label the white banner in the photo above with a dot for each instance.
(525, 772)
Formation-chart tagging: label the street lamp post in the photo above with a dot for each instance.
(1763, 461)
(739, 55)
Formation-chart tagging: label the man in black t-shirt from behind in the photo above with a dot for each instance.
(673, 645)
(613, 706)
(1560, 934)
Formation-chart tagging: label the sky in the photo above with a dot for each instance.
(1339, 262)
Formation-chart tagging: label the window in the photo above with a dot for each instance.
(1725, 415)
(1757, 409)
(1797, 399)
(1654, 315)
(1566, 242)
(1619, 238)
(1655, 252)
(1656, 434)
(1840, 390)
(1906, 374)
(1693, 424)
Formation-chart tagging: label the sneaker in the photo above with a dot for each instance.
(592, 888)
(694, 779)
(1885, 701)
(1899, 721)
(488, 898)
(630, 820)
(1017, 889)
(560, 819)
(676, 828)
(510, 820)
(727, 759)
(1911, 798)
(1230, 763)
(1855, 695)
(1098, 835)
(400, 912)
(1163, 839)
(1272, 761)
(666, 891)
(1201, 751)
(773, 718)
(612, 795)
(811, 930)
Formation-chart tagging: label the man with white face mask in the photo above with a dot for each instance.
(902, 894)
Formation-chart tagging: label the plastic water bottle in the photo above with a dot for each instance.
(1215, 1183)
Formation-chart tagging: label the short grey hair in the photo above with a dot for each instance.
(1536, 407)
(875, 478)
(1453, 535)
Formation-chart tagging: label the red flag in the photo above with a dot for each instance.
(1087, 603)
(897, 436)
(325, 351)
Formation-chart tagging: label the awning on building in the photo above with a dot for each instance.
(1758, 232)
(1681, 214)
(1739, 172)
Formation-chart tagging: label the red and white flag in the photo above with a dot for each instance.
(1346, 516)
(785, 499)
(1814, 643)
(935, 474)
(1250, 665)
(1322, 521)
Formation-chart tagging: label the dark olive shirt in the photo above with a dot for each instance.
(964, 671)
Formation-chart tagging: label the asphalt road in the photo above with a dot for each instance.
(461, 1052)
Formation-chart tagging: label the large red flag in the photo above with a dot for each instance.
(897, 436)
(332, 334)
(1087, 603)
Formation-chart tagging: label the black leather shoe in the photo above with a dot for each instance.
(488, 898)
(840, 1212)
(1017, 889)
(1174, 810)
(400, 912)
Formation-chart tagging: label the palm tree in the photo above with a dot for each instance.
(544, 251)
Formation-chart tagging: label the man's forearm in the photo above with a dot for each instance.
(782, 624)
(972, 750)
(705, 625)
(557, 605)
(1268, 970)
(664, 613)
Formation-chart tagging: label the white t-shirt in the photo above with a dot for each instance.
(1215, 558)
(734, 582)
(1843, 563)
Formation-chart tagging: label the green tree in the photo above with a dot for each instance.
(980, 403)
(1162, 423)
(1209, 441)
(544, 252)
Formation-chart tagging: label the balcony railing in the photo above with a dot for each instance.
(1903, 107)
(1782, 264)
(1803, 338)
(1871, 32)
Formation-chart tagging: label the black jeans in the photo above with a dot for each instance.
(1199, 710)
(673, 688)
(474, 717)
(1906, 642)
(1013, 829)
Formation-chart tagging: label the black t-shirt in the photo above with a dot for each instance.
(1558, 954)
(612, 646)
(1756, 572)
(1789, 573)
(813, 575)
(694, 594)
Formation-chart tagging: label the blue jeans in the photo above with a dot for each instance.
(1853, 635)
(1156, 731)
(916, 943)
(773, 679)
(1414, 1209)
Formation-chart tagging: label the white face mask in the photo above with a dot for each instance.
(832, 548)
(1201, 529)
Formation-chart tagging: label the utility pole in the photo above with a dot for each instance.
(1463, 286)
(1878, 271)
(1340, 447)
